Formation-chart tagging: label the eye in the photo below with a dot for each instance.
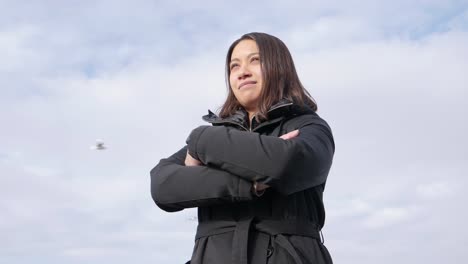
(233, 65)
(253, 59)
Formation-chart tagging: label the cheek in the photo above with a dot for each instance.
(233, 91)
(231, 81)
(259, 75)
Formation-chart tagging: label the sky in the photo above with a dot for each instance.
(390, 77)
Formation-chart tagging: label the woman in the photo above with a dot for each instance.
(257, 174)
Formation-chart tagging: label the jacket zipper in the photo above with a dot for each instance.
(269, 123)
(265, 124)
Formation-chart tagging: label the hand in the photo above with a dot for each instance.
(259, 188)
(190, 161)
(290, 135)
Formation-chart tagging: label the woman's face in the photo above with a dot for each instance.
(246, 74)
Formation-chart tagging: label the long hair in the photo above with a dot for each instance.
(280, 80)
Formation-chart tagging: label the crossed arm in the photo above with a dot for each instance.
(258, 187)
(222, 165)
(182, 181)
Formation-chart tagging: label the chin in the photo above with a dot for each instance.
(248, 104)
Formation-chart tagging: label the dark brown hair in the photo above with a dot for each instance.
(280, 80)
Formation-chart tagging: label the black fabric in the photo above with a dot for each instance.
(173, 185)
(287, 165)
(232, 221)
(243, 228)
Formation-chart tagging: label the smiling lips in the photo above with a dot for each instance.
(246, 83)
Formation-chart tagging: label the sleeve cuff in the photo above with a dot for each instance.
(192, 141)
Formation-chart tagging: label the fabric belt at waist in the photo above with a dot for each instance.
(242, 228)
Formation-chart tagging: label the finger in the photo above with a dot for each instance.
(290, 135)
(285, 136)
(190, 161)
(293, 133)
(261, 186)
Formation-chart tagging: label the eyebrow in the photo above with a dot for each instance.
(250, 55)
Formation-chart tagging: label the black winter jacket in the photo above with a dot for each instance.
(236, 226)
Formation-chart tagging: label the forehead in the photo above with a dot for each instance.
(244, 48)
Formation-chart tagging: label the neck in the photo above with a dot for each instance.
(251, 113)
(251, 109)
(251, 116)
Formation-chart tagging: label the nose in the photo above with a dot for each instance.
(243, 73)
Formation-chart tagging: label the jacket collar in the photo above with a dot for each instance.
(240, 118)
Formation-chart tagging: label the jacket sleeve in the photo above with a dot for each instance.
(286, 165)
(175, 186)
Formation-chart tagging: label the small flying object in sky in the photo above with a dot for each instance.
(99, 145)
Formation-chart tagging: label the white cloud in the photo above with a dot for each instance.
(16, 56)
(91, 252)
(386, 217)
(331, 32)
(435, 190)
(348, 208)
(41, 171)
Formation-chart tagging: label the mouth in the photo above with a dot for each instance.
(246, 84)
